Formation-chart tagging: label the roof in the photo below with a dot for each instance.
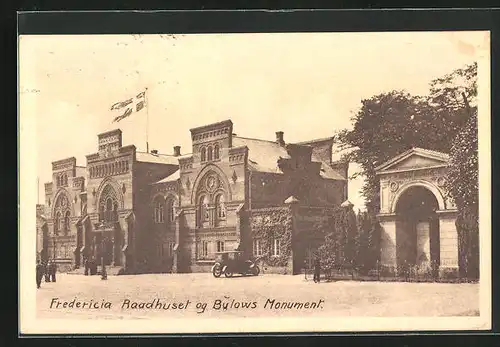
(346, 203)
(328, 172)
(440, 156)
(157, 158)
(291, 200)
(263, 156)
(323, 139)
(170, 178)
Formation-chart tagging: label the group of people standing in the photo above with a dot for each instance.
(45, 270)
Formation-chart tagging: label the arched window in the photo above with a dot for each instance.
(108, 205)
(202, 210)
(209, 153)
(101, 213)
(58, 181)
(170, 210)
(220, 206)
(56, 223)
(216, 152)
(109, 210)
(203, 154)
(158, 214)
(62, 213)
(66, 222)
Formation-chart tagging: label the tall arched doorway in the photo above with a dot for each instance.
(417, 232)
(106, 241)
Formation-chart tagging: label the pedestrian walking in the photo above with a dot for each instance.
(39, 274)
(93, 267)
(317, 270)
(104, 273)
(46, 271)
(53, 270)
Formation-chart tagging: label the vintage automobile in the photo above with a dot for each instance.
(232, 262)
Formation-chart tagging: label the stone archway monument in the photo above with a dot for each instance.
(417, 219)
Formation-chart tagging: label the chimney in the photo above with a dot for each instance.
(279, 138)
(154, 151)
(177, 151)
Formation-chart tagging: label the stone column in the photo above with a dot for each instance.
(177, 247)
(114, 243)
(293, 206)
(448, 242)
(241, 233)
(388, 240)
(125, 245)
(73, 232)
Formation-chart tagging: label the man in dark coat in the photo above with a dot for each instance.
(93, 267)
(39, 274)
(86, 263)
(46, 271)
(317, 270)
(52, 271)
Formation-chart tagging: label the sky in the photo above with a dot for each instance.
(307, 85)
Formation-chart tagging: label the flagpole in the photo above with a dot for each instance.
(147, 119)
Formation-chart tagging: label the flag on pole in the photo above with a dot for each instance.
(129, 106)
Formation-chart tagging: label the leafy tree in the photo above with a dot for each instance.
(462, 181)
(390, 123)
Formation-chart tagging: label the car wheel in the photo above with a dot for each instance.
(217, 271)
(256, 270)
(228, 274)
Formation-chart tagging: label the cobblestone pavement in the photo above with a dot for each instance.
(149, 296)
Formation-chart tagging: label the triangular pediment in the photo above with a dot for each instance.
(414, 159)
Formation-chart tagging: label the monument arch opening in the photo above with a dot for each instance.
(417, 235)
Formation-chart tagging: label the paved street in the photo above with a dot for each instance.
(181, 295)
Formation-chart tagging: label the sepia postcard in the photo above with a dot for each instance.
(254, 182)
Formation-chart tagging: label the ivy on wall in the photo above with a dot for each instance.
(468, 244)
(268, 225)
(351, 241)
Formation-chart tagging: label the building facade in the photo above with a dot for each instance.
(149, 212)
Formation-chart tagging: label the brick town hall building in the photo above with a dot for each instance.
(150, 212)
